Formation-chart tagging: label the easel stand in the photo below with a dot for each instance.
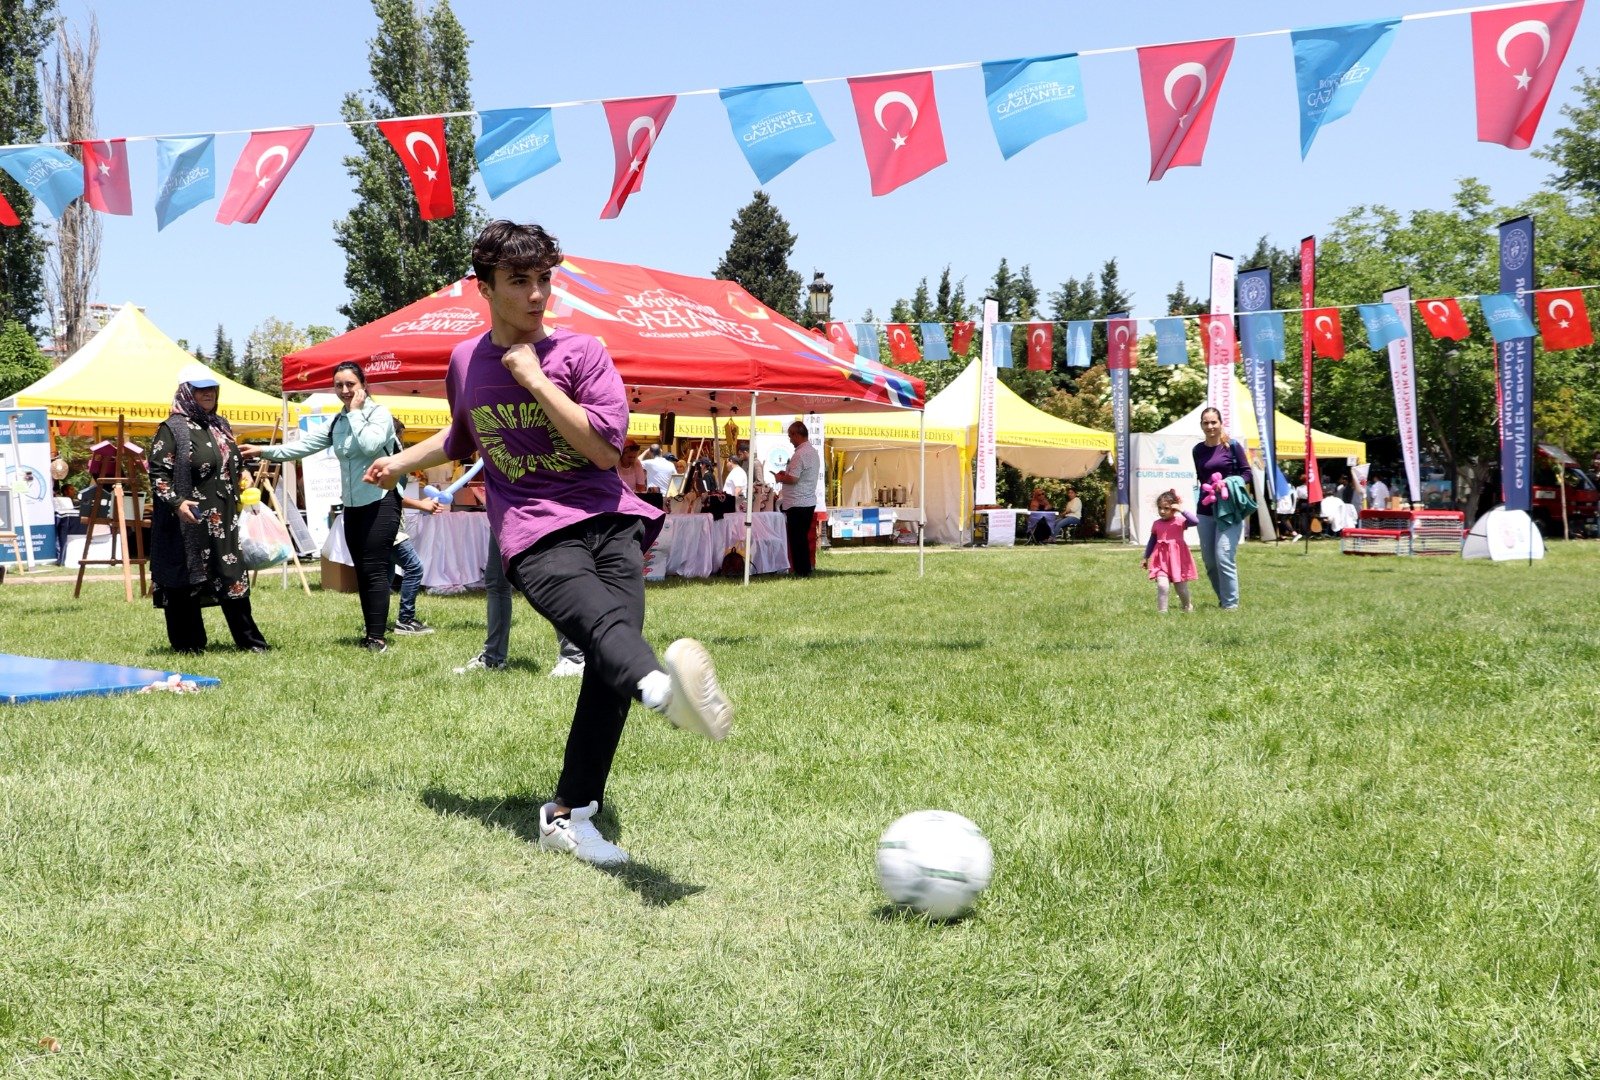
(266, 477)
(123, 481)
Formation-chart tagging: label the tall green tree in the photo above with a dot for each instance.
(1574, 149)
(758, 257)
(21, 362)
(270, 342)
(25, 29)
(222, 355)
(418, 62)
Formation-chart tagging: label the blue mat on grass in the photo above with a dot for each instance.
(27, 678)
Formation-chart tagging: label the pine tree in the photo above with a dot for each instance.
(222, 358)
(1179, 302)
(758, 257)
(25, 29)
(393, 257)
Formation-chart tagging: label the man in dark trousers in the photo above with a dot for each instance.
(799, 480)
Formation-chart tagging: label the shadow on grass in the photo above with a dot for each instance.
(899, 913)
(519, 815)
(872, 644)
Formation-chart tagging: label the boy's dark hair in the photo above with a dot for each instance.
(505, 245)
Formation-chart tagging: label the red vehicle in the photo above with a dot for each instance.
(1582, 498)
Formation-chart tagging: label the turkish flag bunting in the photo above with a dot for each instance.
(1041, 343)
(420, 143)
(8, 216)
(636, 124)
(840, 336)
(1327, 332)
(902, 345)
(105, 176)
(900, 132)
(1563, 320)
(1121, 335)
(1516, 56)
(1218, 331)
(259, 172)
(961, 339)
(1444, 318)
(1180, 92)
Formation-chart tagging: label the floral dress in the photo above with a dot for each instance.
(202, 559)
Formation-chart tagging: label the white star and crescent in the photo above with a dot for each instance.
(1531, 27)
(280, 152)
(1317, 324)
(411, 148)
(646, 124)
(1561, 302)
(1439, 308)
(892, 97)
(1183, 71)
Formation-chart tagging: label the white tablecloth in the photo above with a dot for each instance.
(453, 547)
(696, 543)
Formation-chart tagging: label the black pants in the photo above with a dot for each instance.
(797, 525)
(186, 625)
(588, 580)
(369, 531)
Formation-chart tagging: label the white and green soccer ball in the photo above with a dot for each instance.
(934, 862)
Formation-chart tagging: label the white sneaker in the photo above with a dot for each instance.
(565, 667)
(697, 703)
(479, 663)
(576, 835)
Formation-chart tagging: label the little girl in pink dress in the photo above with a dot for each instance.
(1166, 555)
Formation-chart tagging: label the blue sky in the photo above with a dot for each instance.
(1062, 206)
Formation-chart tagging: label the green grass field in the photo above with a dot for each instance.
(1349, 830)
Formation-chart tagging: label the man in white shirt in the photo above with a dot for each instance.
(737, 479)
(799, 480)
(1377, 493)
(658, 470)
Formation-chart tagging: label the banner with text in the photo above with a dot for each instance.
(1219, 354)
(1403, 373)
(983, 477)
(1514, 365)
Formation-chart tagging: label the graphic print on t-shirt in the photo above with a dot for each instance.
(493, 423)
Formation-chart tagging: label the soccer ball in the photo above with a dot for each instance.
(934, 862)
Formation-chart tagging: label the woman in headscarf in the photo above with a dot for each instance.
(194, 546)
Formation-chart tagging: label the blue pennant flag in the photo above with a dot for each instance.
(1261, 334)
(1080, 343)
(516, 145)
(52, 176)
(1508, 319)
(866, 336)
(1383, 325)
(1002, 345)
(186, 176)
(934, 346)
(1172, 341)
(1032, 98)
(775, 124)
(1332, 65)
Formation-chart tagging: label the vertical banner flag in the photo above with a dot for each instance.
(1327, 332)
(514, 145)
(902, 346)
(1180, 93)
(1516, 55)
(1119, 358)
(775, 125)
(1515, 365)
(900, 132)
(1002, 345)
(1261, 341)
(961, 338)
(1564, 320)
(420, 143)
(1332, 65)
(51, 176)
(635, 124)
(1031, 98)
(186, 176)
(1403, 374)
(867, 340)
(1172, 342)
(1383, 324)
(1041, 346)
(259, 172)
(933, 343)
(840, 336)
(1308, 297)
(1219, 340)
(1080, 343)
(984, 465)
(105, 176)
(1443, 317)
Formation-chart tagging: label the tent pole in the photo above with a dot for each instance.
(922, 484)
(749, 493)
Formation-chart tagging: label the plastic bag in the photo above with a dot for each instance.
(263, 541)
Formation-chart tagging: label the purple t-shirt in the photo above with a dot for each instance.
(1225, 458)
(535, 481)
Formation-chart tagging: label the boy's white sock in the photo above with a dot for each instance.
(655, 690)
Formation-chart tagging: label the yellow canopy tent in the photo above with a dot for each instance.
(130, 368)
(1290, 440)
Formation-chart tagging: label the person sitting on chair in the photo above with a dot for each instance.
(1071, 511)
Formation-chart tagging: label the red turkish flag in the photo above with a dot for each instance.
(1516, 55)
(1041, 342)
(839, 334)
(900, 132)
(1121, 336)
(1444, 318)
(8, 216)
(420, 143)
(902, 346)
(1563, 319)
(961, 339)
(259, 172)
(1218, 332)
(1327, 332)
(636, 124)
(1180, 93)
(105, 176)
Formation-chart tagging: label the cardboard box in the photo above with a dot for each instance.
(337, 577)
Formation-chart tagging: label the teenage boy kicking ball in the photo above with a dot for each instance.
(546, 410)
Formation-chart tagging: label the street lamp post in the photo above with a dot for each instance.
(820, 299)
